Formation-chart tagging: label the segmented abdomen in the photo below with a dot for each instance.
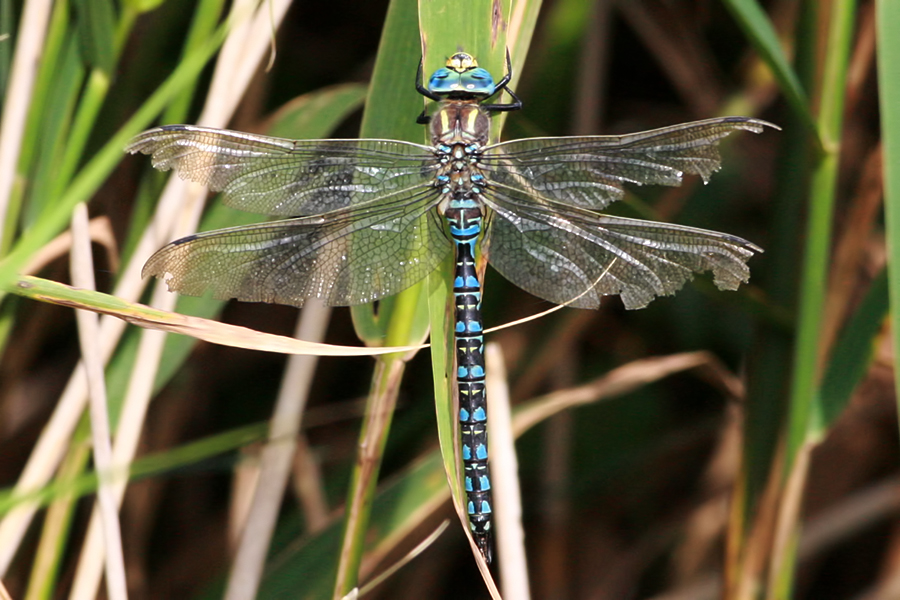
(465, 219)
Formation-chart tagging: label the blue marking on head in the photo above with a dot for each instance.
(463, 77)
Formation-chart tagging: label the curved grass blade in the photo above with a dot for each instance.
(759, 30)
(61, 294)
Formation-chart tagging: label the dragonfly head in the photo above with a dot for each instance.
(462, 79)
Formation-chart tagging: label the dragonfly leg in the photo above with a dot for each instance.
(420, 87)
(516, 104)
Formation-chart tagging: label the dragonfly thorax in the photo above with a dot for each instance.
(459, 122)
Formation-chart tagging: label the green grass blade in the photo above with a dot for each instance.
(92, 176)
(51, 123)
(852, 354)
(807, 353)
(390, 112)
(165, 462)
(888, 20)
(95, 22)
(802, 430)
(759, 30)
(481, 32)
(478, 28)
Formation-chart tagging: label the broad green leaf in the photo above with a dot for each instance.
(95, 22)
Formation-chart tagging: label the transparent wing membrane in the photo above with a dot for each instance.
(559, 253)
(376, 229)
(287, 178)
(345, 257)
(591, 171)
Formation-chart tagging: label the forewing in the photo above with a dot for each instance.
(349, 256)
(290, 178)
(568, 255)
(590, 172)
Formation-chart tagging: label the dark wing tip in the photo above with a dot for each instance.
(750, 124)
(190, 238)
(739, 241)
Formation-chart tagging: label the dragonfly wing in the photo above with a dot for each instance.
(280, 177)
(568, 255)
(590, 172)
(393, 245)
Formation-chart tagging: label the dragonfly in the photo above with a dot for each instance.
(367, 218)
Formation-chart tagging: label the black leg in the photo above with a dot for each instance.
(422, 89)
(516, 104)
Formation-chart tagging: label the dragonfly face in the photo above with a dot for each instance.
(370, 218)
(462, 78)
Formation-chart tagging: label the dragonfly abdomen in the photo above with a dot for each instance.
(464, 217)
